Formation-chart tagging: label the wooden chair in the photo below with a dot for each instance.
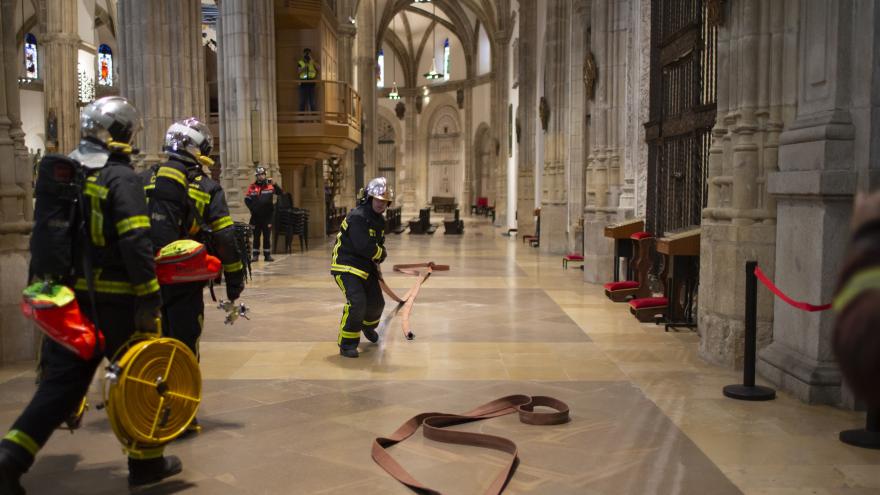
(643, 247)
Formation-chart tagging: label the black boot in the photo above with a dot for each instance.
(267, 256)
(146, 471)
(371, 335)
(10, 475)
(255, 255)
(349, 352)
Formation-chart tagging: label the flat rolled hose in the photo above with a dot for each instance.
(154, 393)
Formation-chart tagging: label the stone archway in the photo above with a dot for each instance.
(445, 158)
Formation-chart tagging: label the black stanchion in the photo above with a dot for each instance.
(867, 437)
(748, 390)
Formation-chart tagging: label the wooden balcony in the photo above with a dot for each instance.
(333, 127)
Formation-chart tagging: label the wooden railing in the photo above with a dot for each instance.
(336, 103)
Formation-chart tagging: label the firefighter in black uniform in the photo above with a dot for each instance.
(260, 200)
(126, 292)
(185, 203)
(359, 249)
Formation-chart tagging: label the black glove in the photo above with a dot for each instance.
(147, 314)
(383, 256)
(234, 285)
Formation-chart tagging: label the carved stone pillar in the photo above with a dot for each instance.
(739, 223)
(617, 29)
(60, 66)
(554, 209)
(500, 98)
(366, 76)
(247, 86)
(163, 66)
(17, 338)
(819, 172)
(527, 115)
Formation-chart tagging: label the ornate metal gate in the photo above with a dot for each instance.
(682, 111)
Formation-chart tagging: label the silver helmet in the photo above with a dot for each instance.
(190, 140)
(112, 121)
(378, 188)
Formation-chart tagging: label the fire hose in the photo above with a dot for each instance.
(152, 393)
(421, 270)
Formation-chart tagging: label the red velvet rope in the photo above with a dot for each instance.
(797, 304)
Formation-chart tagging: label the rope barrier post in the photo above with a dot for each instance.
(867, 437)
(748, 390)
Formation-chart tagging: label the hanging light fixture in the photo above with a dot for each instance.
(394, 94)
(433, 74)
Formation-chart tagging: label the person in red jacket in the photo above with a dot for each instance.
(260, 200)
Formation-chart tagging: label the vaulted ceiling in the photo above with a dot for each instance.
(408, 28)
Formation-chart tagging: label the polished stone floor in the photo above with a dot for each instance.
(283, 413)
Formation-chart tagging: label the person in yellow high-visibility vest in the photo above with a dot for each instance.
(307, 71)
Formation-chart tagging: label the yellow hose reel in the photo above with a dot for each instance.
(153, 394)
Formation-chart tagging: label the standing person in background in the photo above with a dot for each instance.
(308, 70)
(260, 200)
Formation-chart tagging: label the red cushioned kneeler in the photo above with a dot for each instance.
(576, 257)
(646, 309)
(621, 291)
(640, 235)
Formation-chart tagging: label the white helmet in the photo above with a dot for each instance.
(378, 188)
(190, 140)
(112, 121)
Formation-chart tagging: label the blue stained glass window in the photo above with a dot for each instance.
(380, 70)
(105, 65)
(447, 66)
(31, 66)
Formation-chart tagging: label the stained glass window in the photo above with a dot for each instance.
(447, 67)
(31, 70)
(380, 70)
(105, 66)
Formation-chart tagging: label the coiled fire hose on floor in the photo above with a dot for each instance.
(423, 271)
(152, 393)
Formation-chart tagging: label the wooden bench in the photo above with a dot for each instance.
(443, 203)
(454, 226)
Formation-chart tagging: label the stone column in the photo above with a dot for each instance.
(345, 50)
(409, 183)
(366, 76)
(739, 222)
(246, 69)
(610, 176)
(467, 196)
(500, 126)
(821, 156)
(554, 210)
(528, 117)
(162, 66)
(579, 22)
(17, 337)
(60, 67)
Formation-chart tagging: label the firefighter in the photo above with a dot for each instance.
(185, 203)
(124, 298)
(307, 70)
(260, 201)
(359, 249)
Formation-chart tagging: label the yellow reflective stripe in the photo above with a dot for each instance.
(95, 190)
(96, 223)
(233, 267)
(23, 440)
(338, 279)
(173, 174)
(153, 453)
(146, 288)
(131, 223)
(336, 247)
(365, 322)
(221, 223)
(372, 232)
(868, 279)
(149, 187)
(106, 286)
(378, 252)
(349, 335)
(344, 225)
(349, 269)
(199, 196)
